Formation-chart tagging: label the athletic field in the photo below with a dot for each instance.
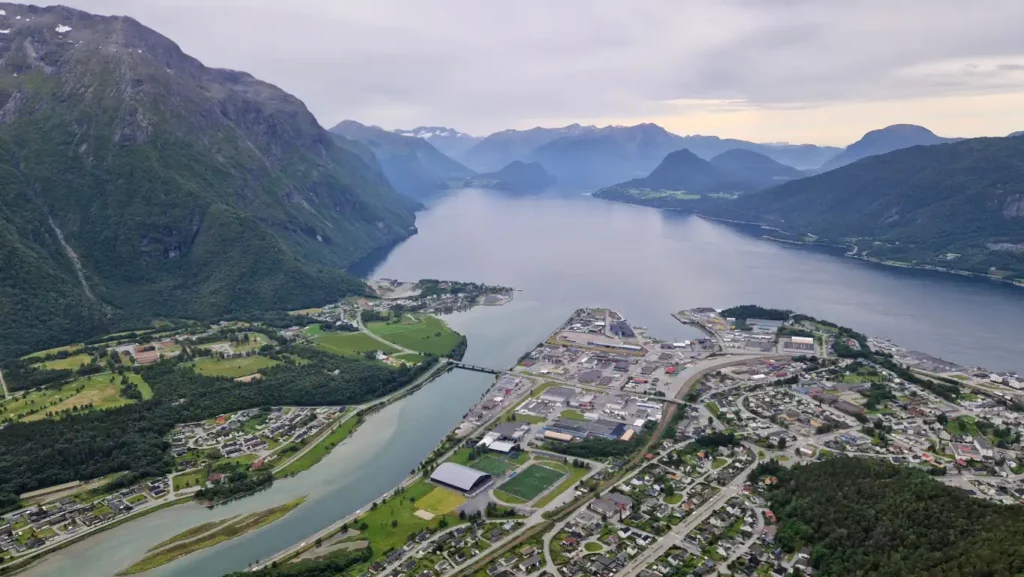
(493, 465)
(531, 482)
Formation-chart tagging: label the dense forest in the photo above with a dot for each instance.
(869, 517)
(744, 312)
(132, 438)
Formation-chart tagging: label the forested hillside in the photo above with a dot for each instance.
(958, 205)
(869, 517)
(136, 183)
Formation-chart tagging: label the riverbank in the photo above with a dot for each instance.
(229, 529)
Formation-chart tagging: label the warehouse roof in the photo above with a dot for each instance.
(459, 476)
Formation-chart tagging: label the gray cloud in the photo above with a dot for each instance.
(483, 66)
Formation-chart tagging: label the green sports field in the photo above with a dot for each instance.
(532, 482)
(492, 465)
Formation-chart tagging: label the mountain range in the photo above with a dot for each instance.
(447, 140)
(684, 176)
(412, 164)
(139, 183)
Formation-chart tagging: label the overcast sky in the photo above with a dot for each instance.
(784, 70)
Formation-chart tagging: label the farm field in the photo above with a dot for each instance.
(233, 368)
(71, 363)
(350, 344)
(531, 482)
(422, 333)
(95, 389)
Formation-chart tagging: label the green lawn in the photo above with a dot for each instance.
(422, 333)
(593, 547)
(441, 501)
(719, 463)
(95, 389)
(575, 474)
(531, 482)
(233, 368)
(72, 363)
(573, 414)
(673, 499)
(191, 479)
(350, 344)
(712, 408)
(320, 450)
(411, 358)
(389, 525)
(136, 499)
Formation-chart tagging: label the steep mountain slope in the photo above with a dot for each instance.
(499, 149)
(884, 140)
(518, 176)
(916, 205)
(412, 165)
(448, 140)
(753, 168)
(139, 183)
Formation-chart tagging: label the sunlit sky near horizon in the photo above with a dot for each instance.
(792, 70)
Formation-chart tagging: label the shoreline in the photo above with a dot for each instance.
(852, 252)
(851, 249)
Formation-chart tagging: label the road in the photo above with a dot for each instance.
(3, 384)
(334, 527)
(362, 327)
(431, 372)
(689, 524)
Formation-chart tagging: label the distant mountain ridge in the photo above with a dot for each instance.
(139, 183)
(412, 165)
(587, 157)
(499, 149)
(884, 140)
(448, 140)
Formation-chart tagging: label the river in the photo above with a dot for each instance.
(565, 253)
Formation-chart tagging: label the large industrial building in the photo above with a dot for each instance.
(460, 477)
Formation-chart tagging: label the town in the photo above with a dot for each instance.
(608, 452)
